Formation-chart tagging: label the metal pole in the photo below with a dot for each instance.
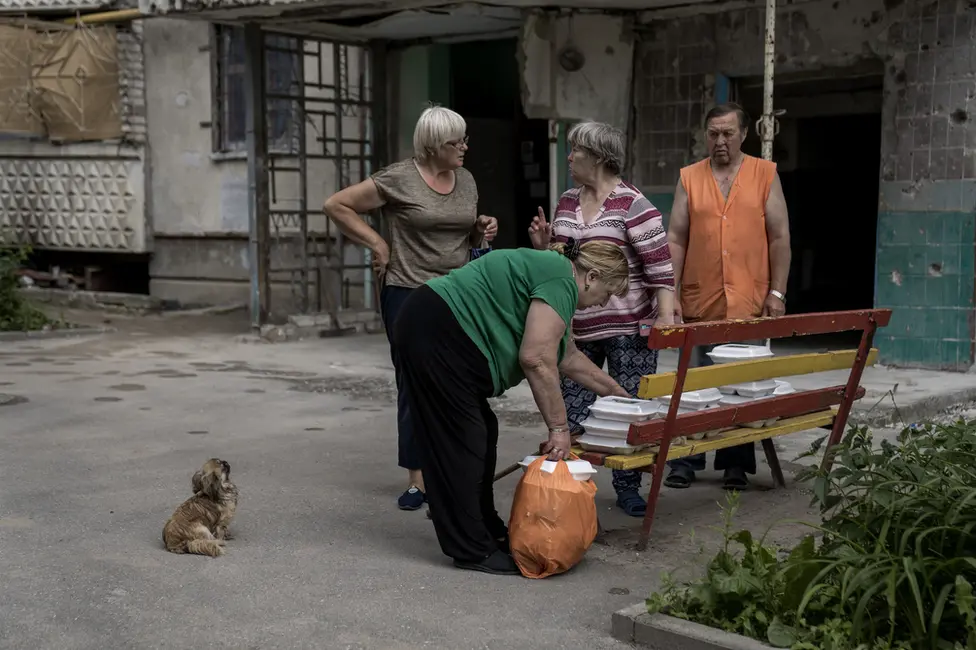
(769, 61)
(257, 173)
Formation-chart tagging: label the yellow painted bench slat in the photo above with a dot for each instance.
(739, 372)
(728, 439)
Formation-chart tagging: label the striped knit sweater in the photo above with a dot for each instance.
(628, 219)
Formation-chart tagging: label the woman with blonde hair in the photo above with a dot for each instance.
(472, 335)
(431, 204)
(605, 208)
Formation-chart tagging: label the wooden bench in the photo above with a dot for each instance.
(827, 408)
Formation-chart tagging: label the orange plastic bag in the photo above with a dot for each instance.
(553, 520)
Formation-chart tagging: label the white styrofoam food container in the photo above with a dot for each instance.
(750, 388)
(781, 388)
(580, 469)
(606, 445)
(739, 352)
(695, 400)
(606, 428)
(625, 409)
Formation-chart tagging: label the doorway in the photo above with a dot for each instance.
(509, 155)
(828, 154)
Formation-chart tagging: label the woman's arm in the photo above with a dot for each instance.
(645, 231)
(344, 208)
(578, 367)
(544, 328)
(538, 355)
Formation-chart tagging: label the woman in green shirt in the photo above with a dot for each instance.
(475, 333)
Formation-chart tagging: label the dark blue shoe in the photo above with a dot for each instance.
(632, 503)
(412, 499)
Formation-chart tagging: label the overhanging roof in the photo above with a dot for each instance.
(388, 19)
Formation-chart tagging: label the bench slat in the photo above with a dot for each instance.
(731, 438)
(739, 372)
(676, 336)
(721, 417)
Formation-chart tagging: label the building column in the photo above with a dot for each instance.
(926, 223)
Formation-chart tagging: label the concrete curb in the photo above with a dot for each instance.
(55, 334)
(634, 625)
(885, 415)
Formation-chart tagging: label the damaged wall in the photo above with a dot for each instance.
(87, 196)
(599, 90)
(926, 227)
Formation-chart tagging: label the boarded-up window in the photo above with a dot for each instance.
(71, 92)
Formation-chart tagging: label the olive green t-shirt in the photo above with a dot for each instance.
(490, 298)
(430, 232)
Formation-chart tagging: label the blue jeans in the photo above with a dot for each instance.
(391, 300)
(740, 456)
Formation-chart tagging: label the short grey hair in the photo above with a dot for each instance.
(435, 127)
(602, 141)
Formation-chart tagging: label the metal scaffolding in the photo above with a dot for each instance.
(311, 132)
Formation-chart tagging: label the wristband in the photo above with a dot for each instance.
(782, 297)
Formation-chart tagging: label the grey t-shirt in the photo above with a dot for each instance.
(431, 232)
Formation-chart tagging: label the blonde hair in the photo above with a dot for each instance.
(605, 259)
(435, 127)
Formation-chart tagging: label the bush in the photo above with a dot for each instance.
(16, 313)
(893, 568)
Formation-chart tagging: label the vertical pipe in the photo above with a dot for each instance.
(257, 177)
(302, 168)
(769, 61)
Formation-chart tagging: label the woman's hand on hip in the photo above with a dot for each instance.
(540, 232)
(381, 259)
(559, 444)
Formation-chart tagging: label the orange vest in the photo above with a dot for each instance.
(726, 270)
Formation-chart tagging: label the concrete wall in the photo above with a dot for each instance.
(199, 198)
(926, 229)
(600, 90)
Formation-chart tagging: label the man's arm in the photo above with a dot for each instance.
(678, 226)
(778, 236)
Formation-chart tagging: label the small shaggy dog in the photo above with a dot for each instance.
(200, 524)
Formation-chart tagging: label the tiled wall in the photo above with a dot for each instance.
(926, 223)
(674, 86)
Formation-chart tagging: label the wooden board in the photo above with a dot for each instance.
(752, 329)
(721, 441)
(723, 374)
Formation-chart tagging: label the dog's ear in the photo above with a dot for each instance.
(196, 481)
(210, 485)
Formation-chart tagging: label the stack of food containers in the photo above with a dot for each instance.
(739, 394)
(695, 400)
(609, 422)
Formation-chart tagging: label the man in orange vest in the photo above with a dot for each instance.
(729, 235)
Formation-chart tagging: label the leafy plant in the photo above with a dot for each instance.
(16, 313)
(895, 562)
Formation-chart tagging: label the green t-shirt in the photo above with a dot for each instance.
(490, 298)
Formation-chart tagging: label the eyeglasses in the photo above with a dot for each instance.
(457, 144)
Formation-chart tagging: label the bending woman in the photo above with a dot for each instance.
(431, 204)
(474, 334)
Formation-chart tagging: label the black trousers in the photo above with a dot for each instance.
(391, 301)
(448, 385)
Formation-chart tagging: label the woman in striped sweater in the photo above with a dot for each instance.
(604, 207)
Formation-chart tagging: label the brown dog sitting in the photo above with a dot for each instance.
(200, 524)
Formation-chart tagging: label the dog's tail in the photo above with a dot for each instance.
(211, 547)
